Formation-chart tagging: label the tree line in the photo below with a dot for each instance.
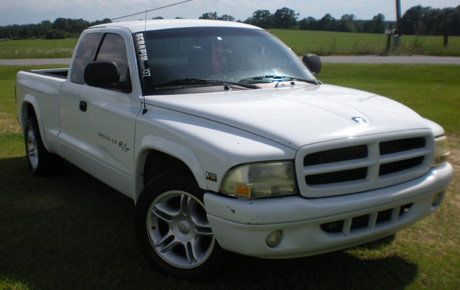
(61, 28)
(286, 18)
(421, 20)
(417, 20)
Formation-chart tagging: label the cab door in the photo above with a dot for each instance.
(106, 120)
(71, 118)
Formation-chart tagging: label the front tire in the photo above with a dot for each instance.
(172, 229)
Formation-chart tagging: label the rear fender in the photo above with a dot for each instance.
(31, 109)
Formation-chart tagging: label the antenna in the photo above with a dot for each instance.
(150, 10)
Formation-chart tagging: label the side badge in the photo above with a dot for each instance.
(359, 120)
(211, 176)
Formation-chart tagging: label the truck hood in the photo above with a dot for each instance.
(298, 115)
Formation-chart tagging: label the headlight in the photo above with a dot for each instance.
(260, 180)
(441, 152)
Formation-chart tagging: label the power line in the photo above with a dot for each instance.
(150, 10)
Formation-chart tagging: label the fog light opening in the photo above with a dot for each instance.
(437, 199)
(274, 239)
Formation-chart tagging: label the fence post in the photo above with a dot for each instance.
(389, 32)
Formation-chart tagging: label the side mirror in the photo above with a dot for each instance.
(101, 74)
(313, 63)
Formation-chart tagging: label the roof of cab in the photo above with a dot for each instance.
(160, 24)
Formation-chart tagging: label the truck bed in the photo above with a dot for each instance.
(60, 72)
(42, 87)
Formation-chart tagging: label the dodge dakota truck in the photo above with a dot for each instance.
(227, 142)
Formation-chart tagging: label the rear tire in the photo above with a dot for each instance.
(172, 229)
(41, 162)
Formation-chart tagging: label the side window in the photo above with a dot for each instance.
(84, 55)
(113, 49)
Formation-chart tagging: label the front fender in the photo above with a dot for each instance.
(169, 147)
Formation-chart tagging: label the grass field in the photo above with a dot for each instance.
(37, 48)
(301, 41)
(431, 90)
(72, 232)
(342, 43)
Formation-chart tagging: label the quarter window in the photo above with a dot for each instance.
(85, 54)
(113, 49)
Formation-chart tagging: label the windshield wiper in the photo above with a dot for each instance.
(195, 82)
(249, 86)
(304, 80)
(180, 83)
(275, 79)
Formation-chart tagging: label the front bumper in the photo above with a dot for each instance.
(314, 226)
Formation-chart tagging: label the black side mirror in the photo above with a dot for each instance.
(313, 63)
(102, 74)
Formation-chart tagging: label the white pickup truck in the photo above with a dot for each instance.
(227, 142)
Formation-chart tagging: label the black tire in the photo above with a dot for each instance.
(41, 162)
(172, 229)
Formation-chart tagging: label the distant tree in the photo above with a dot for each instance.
(327, 23)
(379, 23)
(60, 28)
(226, 17)
(428, 21)
(454, 22)
(285, 18)
(417, 20)
(61, 24)
(43, 28)
(70, 27)
(97, 22)
(261, 18)
(347, 23)
(309, 23)
(55, 34)
(214, 16)
(376, 25)
(413, 21)
(209, 15)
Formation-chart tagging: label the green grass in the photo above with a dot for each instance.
(430, 90)
(37, 48)
(73, 232)
(301, 41)
(342, 43)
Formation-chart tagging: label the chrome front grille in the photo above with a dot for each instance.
(356, 165)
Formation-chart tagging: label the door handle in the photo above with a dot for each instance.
(83, 106)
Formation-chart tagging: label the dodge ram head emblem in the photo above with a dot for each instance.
(359, 120)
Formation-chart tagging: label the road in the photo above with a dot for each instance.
(441, 60)
(397, 59)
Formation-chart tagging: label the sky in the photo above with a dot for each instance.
(34, 11)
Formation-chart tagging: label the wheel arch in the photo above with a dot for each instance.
(30, 109)
(158, 155)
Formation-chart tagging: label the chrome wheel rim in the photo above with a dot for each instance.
(178, 229)
(32, 148)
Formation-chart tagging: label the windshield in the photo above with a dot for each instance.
(177, 58)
